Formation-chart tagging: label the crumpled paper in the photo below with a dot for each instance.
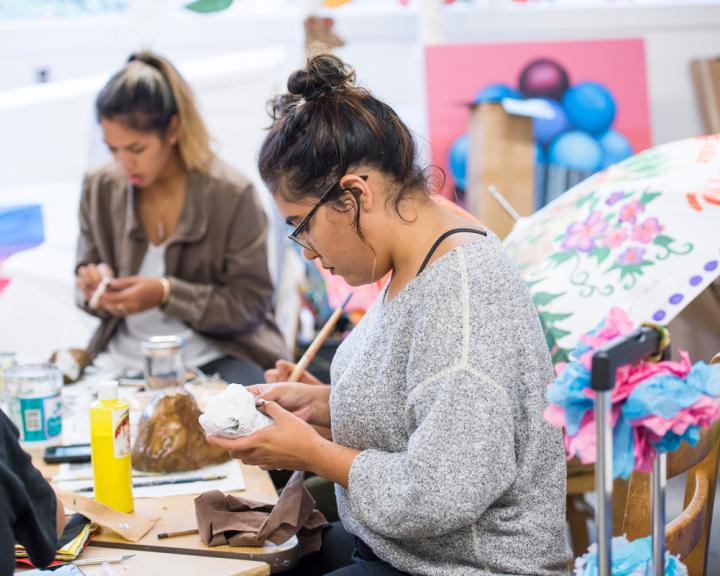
(629, 558)
(655, 405)
(234, 521)
(232, 413)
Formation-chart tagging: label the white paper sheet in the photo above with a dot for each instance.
(233, 480)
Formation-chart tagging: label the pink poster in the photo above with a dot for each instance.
(607, 74)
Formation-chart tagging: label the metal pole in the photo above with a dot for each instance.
(603, 480)
(657, 491)
(621, 351)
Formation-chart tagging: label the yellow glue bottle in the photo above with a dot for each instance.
(110, 446)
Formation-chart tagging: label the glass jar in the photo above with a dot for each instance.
(35, 403)
(163, 364)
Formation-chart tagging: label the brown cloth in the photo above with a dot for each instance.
(230, 520)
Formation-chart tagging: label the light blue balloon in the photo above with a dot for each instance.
(457, 160)
(496, 92)
(576, 150)
(615, 147)
(547, 128)
(590, 107)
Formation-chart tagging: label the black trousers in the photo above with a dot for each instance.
(342, 554)
(235, 370)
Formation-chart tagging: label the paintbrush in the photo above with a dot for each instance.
(166, 482)
(162, 535)
(93, 561)
(318, 341)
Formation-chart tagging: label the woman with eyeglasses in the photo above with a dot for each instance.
(173, 241)
(442, 460)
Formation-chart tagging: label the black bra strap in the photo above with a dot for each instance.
(441, 238)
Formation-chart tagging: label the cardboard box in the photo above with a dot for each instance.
(706, 77)
(502, 153)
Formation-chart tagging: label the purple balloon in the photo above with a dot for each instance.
(544, 78)
(547, 128)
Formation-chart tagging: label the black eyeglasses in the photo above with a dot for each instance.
(301, 228)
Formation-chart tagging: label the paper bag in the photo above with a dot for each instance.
(130, 526)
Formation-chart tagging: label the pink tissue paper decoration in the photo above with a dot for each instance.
(647, 432)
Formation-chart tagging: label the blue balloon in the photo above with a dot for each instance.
(615, 147)
(590, 107)
(547, 128)
(576, 150)
(457, 159)
(540, 156)
(495, 93)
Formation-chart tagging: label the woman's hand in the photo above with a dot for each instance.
(309, 402)
(132, 294)
(290, 443)
(282, 371)
(89, 277)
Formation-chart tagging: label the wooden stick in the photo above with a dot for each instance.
(162, 535)
(318, 341)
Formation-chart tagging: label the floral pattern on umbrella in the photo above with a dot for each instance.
(630, 236)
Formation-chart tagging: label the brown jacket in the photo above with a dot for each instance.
(216, 262)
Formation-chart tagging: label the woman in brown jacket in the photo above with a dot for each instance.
(172, 240)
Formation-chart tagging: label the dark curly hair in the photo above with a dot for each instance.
(326, 126)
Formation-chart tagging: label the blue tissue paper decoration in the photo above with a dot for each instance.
(629, 558)
(660, 395)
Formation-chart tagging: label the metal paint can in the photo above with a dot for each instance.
(34, 399)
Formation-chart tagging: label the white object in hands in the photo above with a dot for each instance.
(99, 291)
(232, 413)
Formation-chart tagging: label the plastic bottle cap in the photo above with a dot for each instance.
(108, 390)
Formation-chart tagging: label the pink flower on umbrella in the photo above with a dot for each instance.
(647, 230)
(630, 211)
(632, 256)
(615, 237)
(581, 235)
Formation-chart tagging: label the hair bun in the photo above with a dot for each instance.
(323, 73)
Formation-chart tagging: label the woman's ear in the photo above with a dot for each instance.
(173, 131)
(361, 187)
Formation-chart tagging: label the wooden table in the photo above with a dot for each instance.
(178, 513)
(153, 563)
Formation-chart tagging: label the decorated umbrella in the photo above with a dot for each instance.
(643, 234)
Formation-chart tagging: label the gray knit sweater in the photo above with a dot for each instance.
(442, 389)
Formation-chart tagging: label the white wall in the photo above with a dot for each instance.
(383, 46)
(49, 133)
